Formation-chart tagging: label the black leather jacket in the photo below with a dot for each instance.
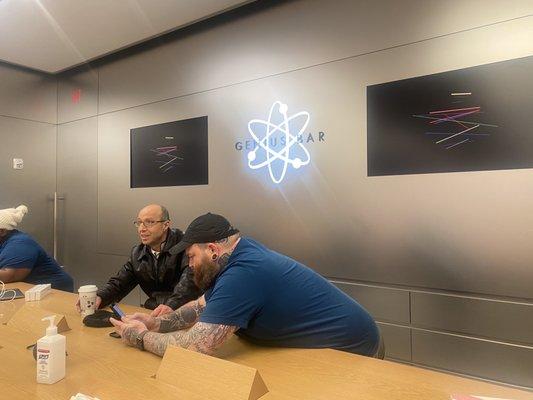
(166, 280)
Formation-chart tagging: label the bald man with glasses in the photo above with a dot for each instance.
(164, 277)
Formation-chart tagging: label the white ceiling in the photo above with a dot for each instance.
(55, 35)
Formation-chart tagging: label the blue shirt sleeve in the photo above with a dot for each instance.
(236, 298)
(19, 254)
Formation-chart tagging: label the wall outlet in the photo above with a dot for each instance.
(18, 163)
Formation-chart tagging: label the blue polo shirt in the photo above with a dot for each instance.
(276, 301)
(19, 250)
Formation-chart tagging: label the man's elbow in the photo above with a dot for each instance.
(207, 350)
(7, 275)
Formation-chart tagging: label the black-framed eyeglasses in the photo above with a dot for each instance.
(148, 224)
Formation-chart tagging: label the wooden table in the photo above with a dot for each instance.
(101, 366)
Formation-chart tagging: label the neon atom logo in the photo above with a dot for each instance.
(277, 144)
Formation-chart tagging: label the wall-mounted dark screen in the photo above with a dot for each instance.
(170, 154)
(472, 119)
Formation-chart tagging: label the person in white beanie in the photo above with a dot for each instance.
(23, 259)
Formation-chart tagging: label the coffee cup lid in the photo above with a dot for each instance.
(87, 288)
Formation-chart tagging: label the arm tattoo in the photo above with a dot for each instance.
(202, 337)
(183, 318)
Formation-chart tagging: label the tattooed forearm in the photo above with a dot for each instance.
(157, 343)
(209, 337)
(183, 318)
(202, 337)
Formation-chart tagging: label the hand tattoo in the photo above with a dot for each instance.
(129, 335)
(202, 337)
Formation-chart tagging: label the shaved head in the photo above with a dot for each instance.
(156, 208)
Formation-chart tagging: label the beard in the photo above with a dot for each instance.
(205, 274)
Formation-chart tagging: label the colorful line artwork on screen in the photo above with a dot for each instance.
(477, 118)
(455, 130)
(166, 158)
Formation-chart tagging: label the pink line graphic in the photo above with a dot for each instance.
(455, 117)
(168, 162)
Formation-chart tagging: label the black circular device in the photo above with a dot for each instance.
(100, 319)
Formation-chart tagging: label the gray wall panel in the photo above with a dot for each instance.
(103, 266)
(135, 298)
(495, 361)
(289, 36)
(493, 319)
(389, 305)
(233, 189)
(77, 184)
(34, 185)
(397, 341)
(334, 218)
(27, 94)
(78, 95)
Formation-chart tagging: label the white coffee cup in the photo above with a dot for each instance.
(87, 296)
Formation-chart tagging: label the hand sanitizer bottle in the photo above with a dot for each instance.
(51, 358)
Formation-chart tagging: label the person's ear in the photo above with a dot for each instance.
(214, 250)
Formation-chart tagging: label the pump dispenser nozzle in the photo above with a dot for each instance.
(52, 329)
